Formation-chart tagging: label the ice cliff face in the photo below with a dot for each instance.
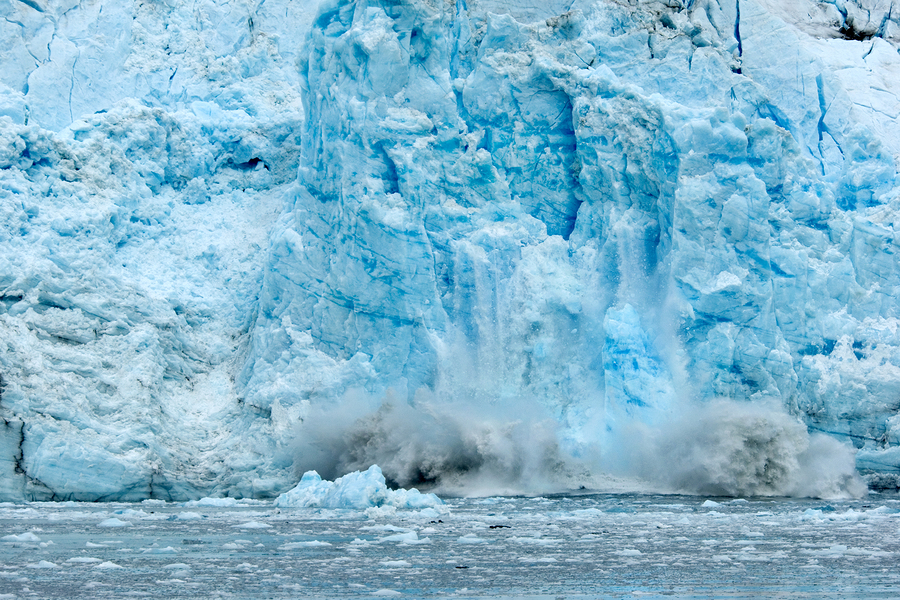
(526, 238)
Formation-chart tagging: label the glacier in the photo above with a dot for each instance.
(488, 245)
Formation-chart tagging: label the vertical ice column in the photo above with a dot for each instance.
(639, 388)
(12, 480)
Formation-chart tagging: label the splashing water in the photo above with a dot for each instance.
(723, 448)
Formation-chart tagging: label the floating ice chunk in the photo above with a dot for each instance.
(385, 528)
(252, 525)
(357, 490)
(471, 538)
(22, 537)
(535, 540)
(211, 502)
(44, 564)
(166, 550)
(380, 512)
(188, 516)
(113, 522)
(108, 565)
(387, 592)
(408, 536)
(310, 544)
(710, 504)
(395, 563)
(84, 560)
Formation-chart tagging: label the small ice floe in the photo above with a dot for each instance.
(840, 551)
(395, 563)
(252, 525)
(84, 560)
(188, 516)
(539, 541)
(44, 564)
(386, 592)
(628, 552)
(710, 504)
(108, 565)
(113, 522)
(22, 537)
(406, 536)
(166, 550)
(471, 538)
(220, 502)
(384, 528)
(310, 544)
(361, 542)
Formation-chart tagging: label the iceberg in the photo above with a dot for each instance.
(241, 241)
(357, 490)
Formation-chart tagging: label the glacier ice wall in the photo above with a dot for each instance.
(144, 148)
(525, 239)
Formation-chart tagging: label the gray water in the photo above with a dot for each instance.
(591, 546)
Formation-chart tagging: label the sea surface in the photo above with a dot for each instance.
(585, 546)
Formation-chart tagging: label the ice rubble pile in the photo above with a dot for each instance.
(609, 209)
(356, 490)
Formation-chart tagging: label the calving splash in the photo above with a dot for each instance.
(541, 272)
(490, 248)
(513, 446)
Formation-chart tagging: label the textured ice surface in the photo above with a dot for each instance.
(486, 245)
(573, 547)
(357, 490)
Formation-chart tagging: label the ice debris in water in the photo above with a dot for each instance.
(356, 490)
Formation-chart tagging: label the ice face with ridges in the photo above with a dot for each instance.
(708, 216)
(596, 218)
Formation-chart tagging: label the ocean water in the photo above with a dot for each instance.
(582, 546)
